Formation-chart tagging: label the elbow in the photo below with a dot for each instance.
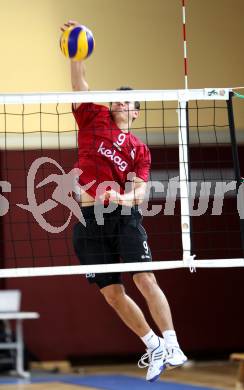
(81, 86)
(75, 87)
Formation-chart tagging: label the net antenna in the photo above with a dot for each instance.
(185, 44)
(12, 109)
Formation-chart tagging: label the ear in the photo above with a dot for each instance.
(136, 113)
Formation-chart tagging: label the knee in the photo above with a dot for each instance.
(114, 294)
(146, 283)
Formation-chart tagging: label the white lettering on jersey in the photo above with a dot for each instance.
(121, 139)
(113, 157)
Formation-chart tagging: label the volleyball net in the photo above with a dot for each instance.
(194, 206)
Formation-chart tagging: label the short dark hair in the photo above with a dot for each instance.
(126, 88)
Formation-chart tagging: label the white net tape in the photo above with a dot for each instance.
(114, 96)
(120, 267)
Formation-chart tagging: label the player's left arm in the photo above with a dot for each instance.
(135, 196)
(138, 184)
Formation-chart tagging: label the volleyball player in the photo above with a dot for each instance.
(108, 151)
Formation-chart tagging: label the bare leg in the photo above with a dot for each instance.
(156, 300)
(126, 308)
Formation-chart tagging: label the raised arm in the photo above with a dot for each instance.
(77, 69)
(78, 79)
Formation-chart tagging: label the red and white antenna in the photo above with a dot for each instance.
(185, 46)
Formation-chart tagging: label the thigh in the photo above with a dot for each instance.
(90, 243)
(133, 239)
(92, 247)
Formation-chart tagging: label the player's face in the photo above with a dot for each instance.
(124, 111)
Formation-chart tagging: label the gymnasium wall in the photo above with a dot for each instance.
(137, 43)
(75, 323)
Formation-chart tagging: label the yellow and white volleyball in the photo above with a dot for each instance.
(77, 42)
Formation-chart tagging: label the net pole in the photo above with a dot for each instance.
(184, 184)
(2, 281)
(189, 170)
(235, 156)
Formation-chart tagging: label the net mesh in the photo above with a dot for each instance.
(30, 131)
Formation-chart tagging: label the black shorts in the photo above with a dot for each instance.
(120, 238)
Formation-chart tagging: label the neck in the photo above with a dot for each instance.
(123, 125)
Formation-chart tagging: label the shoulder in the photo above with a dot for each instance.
(135, 140)
(88, 114)
(139, 144)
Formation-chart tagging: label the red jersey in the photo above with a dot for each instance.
(105, 153)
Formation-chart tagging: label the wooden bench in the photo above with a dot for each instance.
(239, 357)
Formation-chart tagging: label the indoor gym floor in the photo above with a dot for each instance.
(200, 375)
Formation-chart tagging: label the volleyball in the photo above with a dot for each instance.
(77, 42)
